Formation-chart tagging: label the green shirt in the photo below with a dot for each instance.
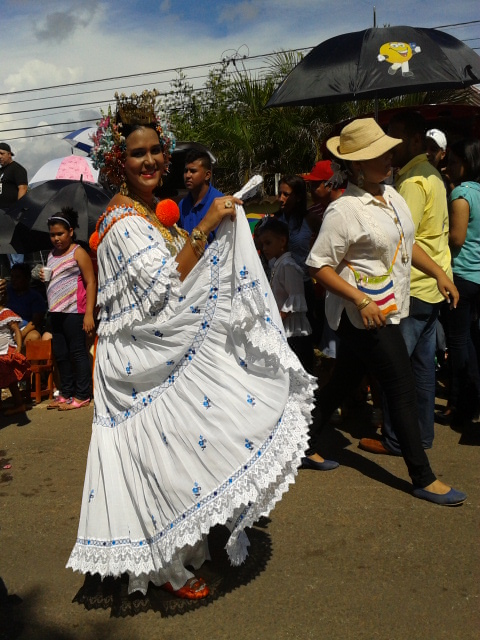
(466, 259)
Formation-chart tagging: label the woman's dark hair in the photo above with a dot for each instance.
(299, 190)
(469, 153)
(275, 226)
(67, 217)
(22, 267)
(127, 129)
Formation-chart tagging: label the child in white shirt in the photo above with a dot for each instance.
(286, 280)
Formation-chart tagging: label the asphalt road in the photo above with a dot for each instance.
(347, 554)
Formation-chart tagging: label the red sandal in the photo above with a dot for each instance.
(193, 589)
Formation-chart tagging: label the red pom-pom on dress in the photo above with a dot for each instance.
(94, 241)
(167, 212)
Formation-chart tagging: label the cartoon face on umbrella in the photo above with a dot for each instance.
(398, 54)
(351, 66)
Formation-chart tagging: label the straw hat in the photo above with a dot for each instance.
(362, 139)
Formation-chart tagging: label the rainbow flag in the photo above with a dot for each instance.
(253, 219)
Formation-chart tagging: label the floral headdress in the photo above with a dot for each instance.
(109, 146)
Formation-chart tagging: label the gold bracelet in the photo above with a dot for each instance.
(198, 240)
(198, 249)
(196, 234)
(364, 303)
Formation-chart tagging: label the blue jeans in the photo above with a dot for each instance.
(71, 355)
(419, 332)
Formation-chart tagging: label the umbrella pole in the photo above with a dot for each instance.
(376, 98)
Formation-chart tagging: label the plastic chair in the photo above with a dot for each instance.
(40, 357)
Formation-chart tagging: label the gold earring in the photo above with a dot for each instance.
(124, 189)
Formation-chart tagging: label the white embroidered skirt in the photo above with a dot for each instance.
(201, 409)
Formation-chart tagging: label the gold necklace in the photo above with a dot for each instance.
(148, 213)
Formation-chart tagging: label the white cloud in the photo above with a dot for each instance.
(36, 73)
(241, 12)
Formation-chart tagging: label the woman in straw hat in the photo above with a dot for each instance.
(363, 257)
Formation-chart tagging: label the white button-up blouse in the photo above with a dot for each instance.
(361, 231)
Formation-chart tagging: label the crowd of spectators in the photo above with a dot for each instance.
(440, 183)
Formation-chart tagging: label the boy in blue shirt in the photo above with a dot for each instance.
(197, 175)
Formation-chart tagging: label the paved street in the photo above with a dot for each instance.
(348, 554)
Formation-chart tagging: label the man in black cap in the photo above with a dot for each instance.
(13, 185)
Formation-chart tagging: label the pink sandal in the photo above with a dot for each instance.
(57, 402)
(74, 404)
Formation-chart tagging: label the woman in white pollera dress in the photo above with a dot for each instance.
(201, 408)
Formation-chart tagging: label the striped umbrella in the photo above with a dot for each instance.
(81, 138)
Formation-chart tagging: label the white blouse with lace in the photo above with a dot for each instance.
(201, 408)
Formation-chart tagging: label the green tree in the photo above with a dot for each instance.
(228, 115)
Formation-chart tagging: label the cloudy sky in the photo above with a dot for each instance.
(60, 43)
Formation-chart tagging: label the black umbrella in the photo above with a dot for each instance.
(24, 227)
(379, 63)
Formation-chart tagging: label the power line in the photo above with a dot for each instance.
(145, 73)
(457, 24)
(40, 135)
(79, 106)
(173, 69)
(97, 102)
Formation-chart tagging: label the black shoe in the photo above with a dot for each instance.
(446, 416)
(326, 465)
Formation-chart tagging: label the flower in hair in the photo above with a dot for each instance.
(108, 154)
(109, 146)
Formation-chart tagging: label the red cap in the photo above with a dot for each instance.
(321, 171)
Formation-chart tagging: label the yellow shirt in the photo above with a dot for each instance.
(422, 187)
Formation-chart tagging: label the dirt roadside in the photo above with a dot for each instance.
(347, 554)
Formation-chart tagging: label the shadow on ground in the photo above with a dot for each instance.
(222, 578)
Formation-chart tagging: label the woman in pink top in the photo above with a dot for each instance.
(71, 293)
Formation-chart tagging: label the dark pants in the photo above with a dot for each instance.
(464, 374)
(302, 346)
(383, 354)
(71, 355)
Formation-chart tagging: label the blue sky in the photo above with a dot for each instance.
(55, 42)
